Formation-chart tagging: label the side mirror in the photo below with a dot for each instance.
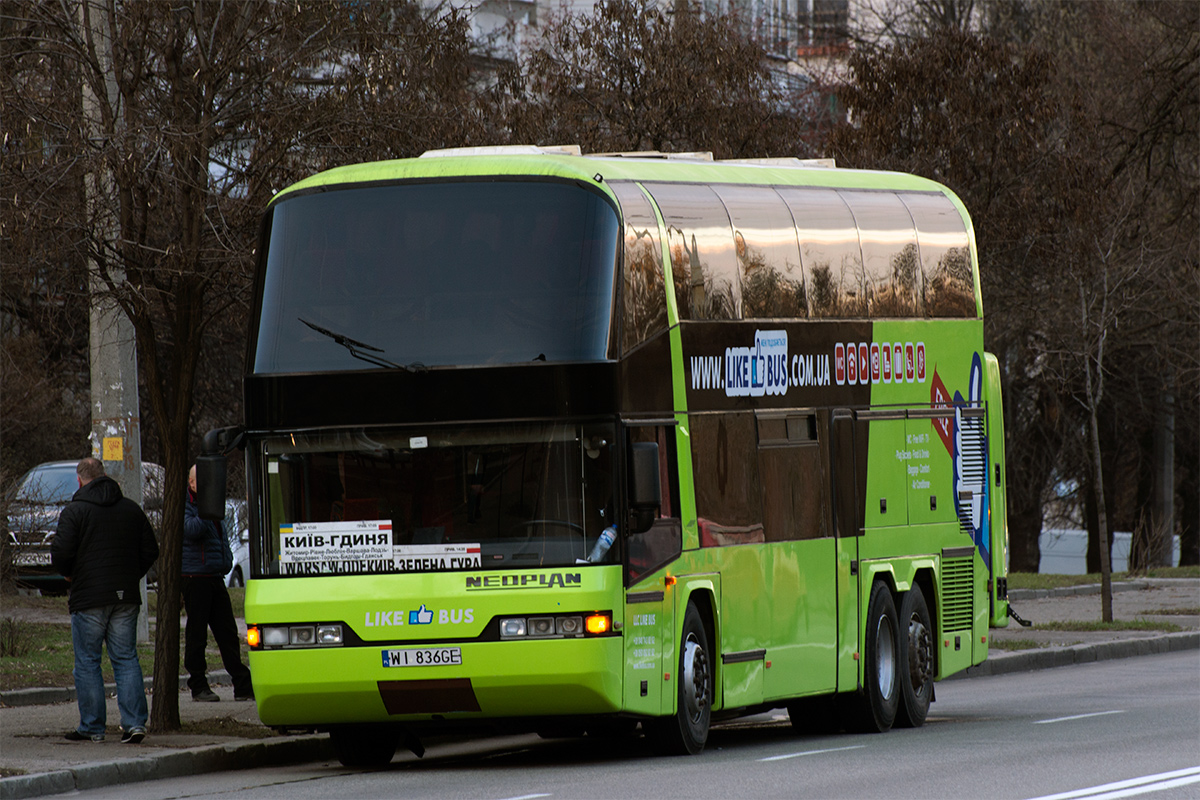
(210, 474)
(210, 486)
(645, 488)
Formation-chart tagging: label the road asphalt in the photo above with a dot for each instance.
(230, 736)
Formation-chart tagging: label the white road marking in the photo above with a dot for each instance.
(1077, 716)
(813, 752)
(527, 796)
(1133, 786)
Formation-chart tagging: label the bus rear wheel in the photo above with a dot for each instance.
(686, 732)
(879, 699)
(916, 659)
(364, 745)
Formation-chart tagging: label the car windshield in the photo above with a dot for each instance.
(435, 274)
(488, 497)
(48, 485)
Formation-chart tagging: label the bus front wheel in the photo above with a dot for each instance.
(880, 696)
(364, 746)
(686, 732)
(916, 659)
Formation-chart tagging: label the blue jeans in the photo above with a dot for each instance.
(115, 626)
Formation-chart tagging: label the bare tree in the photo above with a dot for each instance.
(977, 115)
(208, 108)
(630, 76)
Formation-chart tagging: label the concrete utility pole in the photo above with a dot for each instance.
(1163, 550)
(116, 435)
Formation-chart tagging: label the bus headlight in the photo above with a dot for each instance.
(295, 636)
(541, 626)
(273, 636)
(510, 628)
(569, 626)
(302, 634)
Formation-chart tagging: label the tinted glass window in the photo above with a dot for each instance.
(829, 252)
(949, 284)
(644, 299)
(438, 274)
(891, 274)
(703, 264)
(764, 239)
(486, 498)
(650, 549)
(728, 491)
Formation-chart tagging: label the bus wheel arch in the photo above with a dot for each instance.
(686, 731)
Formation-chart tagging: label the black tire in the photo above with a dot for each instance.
(236, 580)
(686, 732)
(879, 699)
(917, 654)
(364, 746)
(815, 715)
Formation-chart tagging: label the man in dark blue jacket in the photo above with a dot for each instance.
(104, 545)
(206, 560)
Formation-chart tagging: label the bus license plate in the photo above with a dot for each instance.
(423, 657)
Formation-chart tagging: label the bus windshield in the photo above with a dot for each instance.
(486, 497)
(433, 274)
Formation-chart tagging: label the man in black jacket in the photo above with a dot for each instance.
(206, 560)
(104, 546)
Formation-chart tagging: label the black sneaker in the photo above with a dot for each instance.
(134, 735)
(76, 736)
(206, 696)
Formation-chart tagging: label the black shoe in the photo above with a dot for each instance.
(246, 696)
(205, 696)
(76, 736)
(134, 735)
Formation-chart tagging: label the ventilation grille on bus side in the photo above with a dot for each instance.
(958, 581)
(973, 458)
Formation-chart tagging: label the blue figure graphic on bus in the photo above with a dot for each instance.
(970, 461)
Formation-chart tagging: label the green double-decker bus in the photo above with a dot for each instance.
(615, 443)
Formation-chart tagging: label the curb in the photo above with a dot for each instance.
(1071, 591)
(1050, 657)
(48, 696)
(273, 752)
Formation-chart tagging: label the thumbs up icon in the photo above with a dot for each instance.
(422, 616)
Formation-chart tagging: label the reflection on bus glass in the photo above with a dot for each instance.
(527, 274)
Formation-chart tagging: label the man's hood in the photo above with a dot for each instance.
(102, 491)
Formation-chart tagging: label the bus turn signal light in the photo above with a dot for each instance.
(252, 636)
(598, 623)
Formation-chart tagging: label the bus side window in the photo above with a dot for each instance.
(704, 265)
(643, 297)
(663, 542)
(728, 497)
(790, 462)
(767, 251)
(829, 252)
(948, 284)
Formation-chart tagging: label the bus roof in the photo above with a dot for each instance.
(566, 163)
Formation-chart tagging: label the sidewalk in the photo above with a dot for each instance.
(33, 721)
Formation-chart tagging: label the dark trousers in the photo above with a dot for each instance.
(207, 605)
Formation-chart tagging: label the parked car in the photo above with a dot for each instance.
(237, 528)
(33, 509)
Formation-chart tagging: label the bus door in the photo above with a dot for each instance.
(649, 602)
(847, 493)
(801, 554)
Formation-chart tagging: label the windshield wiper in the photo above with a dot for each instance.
(355, 347)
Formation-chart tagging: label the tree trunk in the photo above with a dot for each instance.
(164, 714)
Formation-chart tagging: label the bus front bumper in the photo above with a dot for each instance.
(345, 685)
